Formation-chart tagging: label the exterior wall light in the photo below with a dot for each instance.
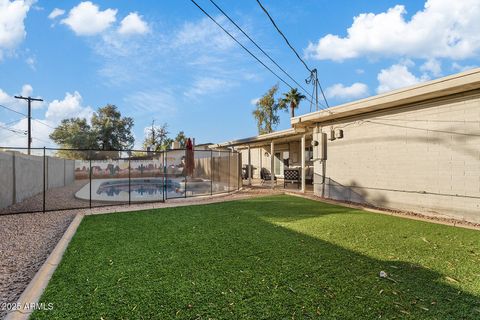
(339, 134)
(332, 135)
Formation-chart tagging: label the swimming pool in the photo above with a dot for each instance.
(144, 189)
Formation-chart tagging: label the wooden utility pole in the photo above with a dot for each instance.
(29, 99)
(153, 133)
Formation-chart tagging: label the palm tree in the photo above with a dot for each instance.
(292, 98)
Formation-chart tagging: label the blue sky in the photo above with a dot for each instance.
(165, 61)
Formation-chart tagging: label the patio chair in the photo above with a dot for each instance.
(244, 173)
(265, 175)
(291, 176)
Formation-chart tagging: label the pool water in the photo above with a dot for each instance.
(147, 189)
(139, 188)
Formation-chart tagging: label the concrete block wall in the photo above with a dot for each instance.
(69, 178)
(7, 190)
(28, 176)
(22, 176)
(55, 172)
(422, 158)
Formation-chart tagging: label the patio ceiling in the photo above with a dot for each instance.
(282, 136)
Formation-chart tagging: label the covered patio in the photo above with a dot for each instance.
(277, 160)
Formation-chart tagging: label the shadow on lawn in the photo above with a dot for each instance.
(349, 283)
(228, 262)
(289, 209)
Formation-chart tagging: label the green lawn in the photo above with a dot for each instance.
(277, 257)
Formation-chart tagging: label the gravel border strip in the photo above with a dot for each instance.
(404, 214)
(31, 295)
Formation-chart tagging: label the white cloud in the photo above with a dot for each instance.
(432, 66)
(360, 71)
(56, 13)
(458, 67)
(40, 133)
(31, 63)
(254, 101)
(27, 90)
(146, 101)
(340, 91)
(204, 33)
(207, 85)
(9, 101)
(70, 106)
(86, 19)
(17, 104)
(395, 77)
(128, 59)
(12, 27)
(133, 24)
(443, 29)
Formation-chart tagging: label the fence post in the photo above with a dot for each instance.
(211, 172)
(165, 172)
(229, 172)
(129, 182)
(90, 178)
(185, 154)
(163, 179)
(44, 178)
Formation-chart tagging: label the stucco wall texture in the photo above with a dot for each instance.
(22, 176)
(423, 158)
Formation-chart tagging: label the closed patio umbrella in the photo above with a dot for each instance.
(190, 160)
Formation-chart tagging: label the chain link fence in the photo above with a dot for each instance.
(51, 179)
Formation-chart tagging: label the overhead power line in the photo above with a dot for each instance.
(41, 122)
(284, 37)
(10, 109)
(29, 100)
(240, 44)
(41, 140)
(244, 48)
(316, 82)
(13, 130)
(259, 48)
(12, 122)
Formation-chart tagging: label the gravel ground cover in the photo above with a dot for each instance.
(26, 240)
(56, 199)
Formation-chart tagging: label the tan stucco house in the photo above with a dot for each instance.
(414, 149)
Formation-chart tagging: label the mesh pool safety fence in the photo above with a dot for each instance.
(51, 179)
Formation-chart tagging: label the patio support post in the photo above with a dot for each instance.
(272, 163)
(249, 170)
(303, 162)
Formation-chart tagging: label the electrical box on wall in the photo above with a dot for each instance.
(319, 143)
